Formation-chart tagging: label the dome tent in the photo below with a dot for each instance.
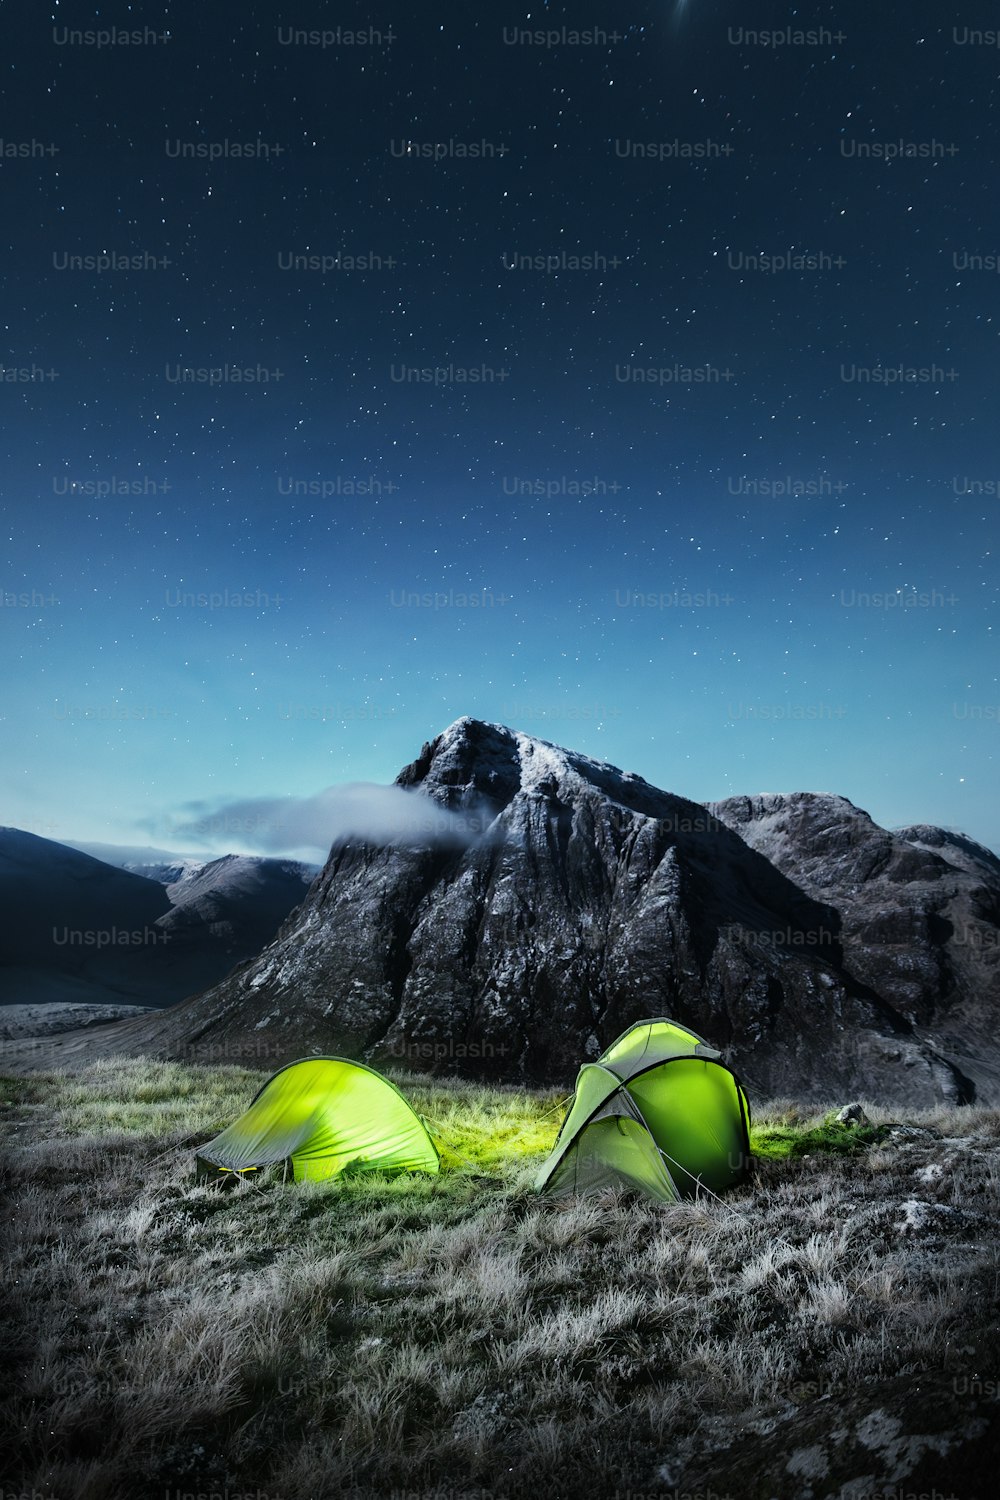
(659, 1112)
(323, 1116)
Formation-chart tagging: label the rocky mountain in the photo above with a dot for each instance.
(827, 956)
(79, 930)
(919, 916)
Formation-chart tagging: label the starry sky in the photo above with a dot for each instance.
(625, 374)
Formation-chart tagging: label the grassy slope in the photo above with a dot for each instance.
(455, 1335)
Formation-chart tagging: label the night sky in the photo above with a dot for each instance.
(726, 522)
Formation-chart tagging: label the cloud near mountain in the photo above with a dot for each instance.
(363, 810)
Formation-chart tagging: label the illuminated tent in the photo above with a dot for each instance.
(321, 1117)
(658, 1112)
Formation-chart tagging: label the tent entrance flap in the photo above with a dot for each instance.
(614, 1151)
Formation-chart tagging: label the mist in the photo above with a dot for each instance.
(363, 810)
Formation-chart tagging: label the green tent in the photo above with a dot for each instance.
(659, 1112)
(320, 1117)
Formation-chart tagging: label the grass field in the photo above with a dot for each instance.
(459, 1336)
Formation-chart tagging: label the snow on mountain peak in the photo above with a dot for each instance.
(475, 757)
(538, 758)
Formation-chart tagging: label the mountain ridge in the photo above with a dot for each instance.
(815, 948)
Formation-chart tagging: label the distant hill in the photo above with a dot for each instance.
(156, 864)
(76, 928)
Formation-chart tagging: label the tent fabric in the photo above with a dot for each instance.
(613, 1151)
(326, 1116)
(659, 1112)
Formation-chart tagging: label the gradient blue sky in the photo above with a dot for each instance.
(123, 708)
